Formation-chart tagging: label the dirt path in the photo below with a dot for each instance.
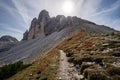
(67, 71)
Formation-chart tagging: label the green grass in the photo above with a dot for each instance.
(45, 68)
(11, 69)
(113, 70)
(85, 65)
(92, 74)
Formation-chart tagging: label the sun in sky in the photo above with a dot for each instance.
(68, 7)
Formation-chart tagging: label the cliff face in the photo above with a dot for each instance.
(37, 26)
(45, 25)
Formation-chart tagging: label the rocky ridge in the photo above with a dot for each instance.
(7, 42)
(45, 25)
(7, 38)
(45, 33)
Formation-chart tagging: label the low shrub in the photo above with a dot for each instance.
(116, 77)
(113, 70)
(84, 66)
(69, 39)
(110, 59)
(71, 59)
(116, 53)
(83, 58)
(11, 69)
(69, 54)
(98, 59)
(92, 74)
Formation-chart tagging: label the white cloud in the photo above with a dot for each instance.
(87, 9)
(115, 24)
(22, 11)
(112, 8)
(7, 8)
(9, 28)
(13, 12)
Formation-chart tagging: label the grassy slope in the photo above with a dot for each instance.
(45, 68)
(97, 55)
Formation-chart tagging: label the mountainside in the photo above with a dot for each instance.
(45, 33)
(45, 25)
(7, 38)
(80, 57)
(7, 42)
(63, 48)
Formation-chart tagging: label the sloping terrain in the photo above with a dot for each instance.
(26, 50)
(45, 33)
(84, 57)
(7, 42)
(44, 69)
(89, 47)
(96, 58)
(67, 71)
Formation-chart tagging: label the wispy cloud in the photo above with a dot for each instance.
(89, 9)
(86, 8)
(6, 27)
(14, 13)
(112, 8)
(104, 17)
(9, 9)
(22, 11)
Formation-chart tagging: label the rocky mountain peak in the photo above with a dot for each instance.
(8, 38)
(25, 35)
(45, 25)
(44, 17)
(34, 20)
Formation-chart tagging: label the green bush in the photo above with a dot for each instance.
(69, 54)
(110, 59)
(82, 58)
(70, 59)
(84, 66)
(69, 39)
(11, 69)
(112, 70)
(92, 74)
(116, 53)
(116, 77)
(114, 44)
(98, 59)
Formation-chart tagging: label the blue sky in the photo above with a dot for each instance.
(16, 15)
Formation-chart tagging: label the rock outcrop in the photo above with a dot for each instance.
(45, 33)
(25, 35)
(45, 25)
(7, 42)
(37, 26)
(7, 38)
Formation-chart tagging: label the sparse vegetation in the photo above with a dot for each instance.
(112, 70)
(103, 52)
(97, 58)
(11, 69)
(92, 74)
(44, 69)
(85, 65)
